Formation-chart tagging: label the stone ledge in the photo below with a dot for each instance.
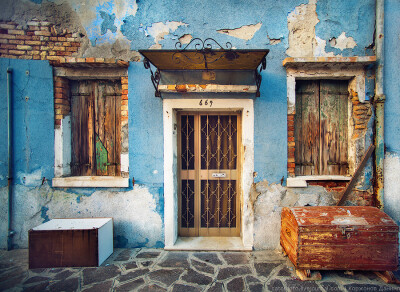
(328, 61)
(90, 181)
(301, 181)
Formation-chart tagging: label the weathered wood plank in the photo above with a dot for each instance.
(307, 128)
(357, 173)
(118, 141)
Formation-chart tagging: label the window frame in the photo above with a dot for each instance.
(351, 69)
(63, 135)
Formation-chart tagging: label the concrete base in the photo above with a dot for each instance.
(209, 244)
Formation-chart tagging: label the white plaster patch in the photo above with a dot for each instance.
(245, 32)
(185, 39)
(319, 48)
(343, 42)
(301, 25)
(391, 197)
(159, 30)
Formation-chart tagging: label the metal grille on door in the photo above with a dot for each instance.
(209, 200)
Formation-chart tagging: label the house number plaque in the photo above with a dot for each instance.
(219, 174)
(206, 102)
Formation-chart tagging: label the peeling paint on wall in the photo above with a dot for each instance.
(301, 25)
(343, 42)
(185, 39)
(159, 30)
(245, 32)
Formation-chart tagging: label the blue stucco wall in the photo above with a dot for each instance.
(391, 75)
(33, 121)
(159, 24)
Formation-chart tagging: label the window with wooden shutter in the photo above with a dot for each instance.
(321, 127)
(96, 128)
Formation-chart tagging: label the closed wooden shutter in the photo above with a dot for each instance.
(321, 127)
(96, 130)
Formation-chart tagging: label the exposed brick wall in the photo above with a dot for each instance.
(39, 40)
(291, 145)
(361, 115)
(124, 99)
(62, 102)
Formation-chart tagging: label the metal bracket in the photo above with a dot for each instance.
(258, 77)
(155, 77)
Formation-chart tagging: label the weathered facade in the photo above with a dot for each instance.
(70, 61)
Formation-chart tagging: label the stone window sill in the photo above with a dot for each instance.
(301, 181)
(90, 182)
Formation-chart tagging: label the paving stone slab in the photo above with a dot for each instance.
(175, 260)
(152, 288)
(165, 276)
(216, 287)
(130, 266)
(148, 255)
(236, 285)
(124, 255)
(133, 275)
(202, 267)
(285, 272)
(35, 288)
(330, 286)
(185, 288)
(65, 285)
(209, 257)
(275, 285)
(257, 288)
(235, 258)
(297, 285)
(102, 287)
(99, 274)
(228, 272)
(265, 269)
(194, 277)
(363, 288)
(252, 280)
(36, 279)
(131, 286)
(63, 275)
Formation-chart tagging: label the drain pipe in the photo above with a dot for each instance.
(379, 101)
(10, 157)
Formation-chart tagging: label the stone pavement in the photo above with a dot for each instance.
(159, 270)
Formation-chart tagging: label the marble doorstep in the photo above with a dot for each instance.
(209, 244)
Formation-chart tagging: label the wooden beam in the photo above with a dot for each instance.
(357, 173)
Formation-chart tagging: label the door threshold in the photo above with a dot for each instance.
(209, 244)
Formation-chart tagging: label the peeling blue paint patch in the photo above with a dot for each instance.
(36, 1)
(334, 20)
(44, 215)
(108, 22)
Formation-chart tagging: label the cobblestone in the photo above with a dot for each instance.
(158, 270)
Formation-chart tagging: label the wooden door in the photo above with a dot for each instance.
(209, 171)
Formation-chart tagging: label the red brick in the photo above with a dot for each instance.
(15, 52)
(290, 139)
(125, 91)
(17, 42)
(36, 57)
(6, 46)
(291, 165)
(290, 117)
(290, 123)
(90, 60)
(290, 128)
(124, 97)
(72, 49)
(75, 44)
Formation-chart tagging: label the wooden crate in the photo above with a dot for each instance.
(339, 238)
(85, 242)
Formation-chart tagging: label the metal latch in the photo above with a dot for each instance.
(219, 174)
(346, 231)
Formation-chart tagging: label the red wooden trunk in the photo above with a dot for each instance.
(340, 238)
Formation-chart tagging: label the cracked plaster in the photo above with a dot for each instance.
(245, 32)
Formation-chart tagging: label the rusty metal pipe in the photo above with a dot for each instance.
(379, 101)
(10, 157)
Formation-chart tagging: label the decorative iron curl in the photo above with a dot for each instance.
(155, 77)
(203, 52)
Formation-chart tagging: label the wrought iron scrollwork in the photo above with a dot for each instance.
(203, 52)
(258, 77)
(155, 77)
